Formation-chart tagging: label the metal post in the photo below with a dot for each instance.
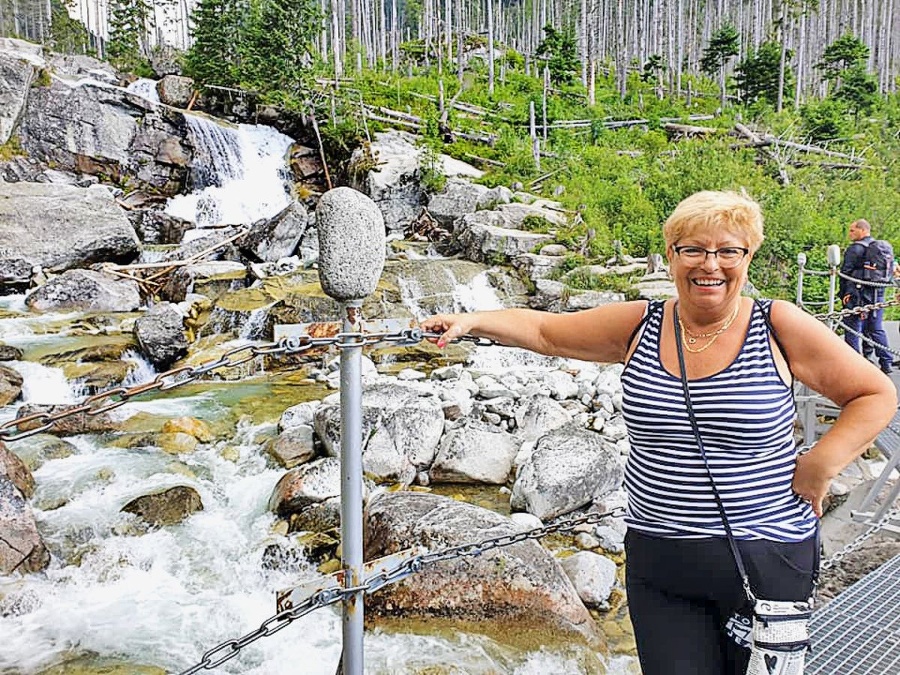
(351, 491)
(801, 266)
(834, 260)
(351, 259)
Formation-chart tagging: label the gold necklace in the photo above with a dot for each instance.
(713, 336)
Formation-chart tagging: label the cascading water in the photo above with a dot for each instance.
(144, 88)
(238, 175)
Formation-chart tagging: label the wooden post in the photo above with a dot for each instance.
(535, 141)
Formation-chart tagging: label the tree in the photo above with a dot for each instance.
(859, 89)
(67, 35)
(276, 48)
(841, 55)
(214, 58)
(757, 76)
(722, 46)
(127, 30)
(561, 52)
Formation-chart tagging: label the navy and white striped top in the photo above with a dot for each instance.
(745, 414)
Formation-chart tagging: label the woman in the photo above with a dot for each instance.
(741, 358)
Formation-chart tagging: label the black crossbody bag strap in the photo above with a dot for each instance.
(739, 561)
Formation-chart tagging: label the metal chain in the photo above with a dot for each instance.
(865, 282)
(856, 543)
(117, 396)
(229, 649)
(859, 310)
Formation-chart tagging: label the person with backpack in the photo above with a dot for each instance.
(869, 260)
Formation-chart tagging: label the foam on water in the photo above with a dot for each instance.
(242, 178)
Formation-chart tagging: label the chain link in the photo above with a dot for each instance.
(856, 543)
(329, 596)
(110, 399)
(826, 316)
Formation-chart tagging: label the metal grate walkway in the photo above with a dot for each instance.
(858, 632)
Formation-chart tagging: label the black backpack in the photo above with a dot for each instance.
(879, 261)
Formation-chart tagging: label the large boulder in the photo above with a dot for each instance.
(493, 236)
(86, 291)
(16, 76)
(520, 584)
(272, 239)
(458, 198)
(85, 127)
(475, 454)
(160, 335)
(175, 90)
(58, 227)
(569, 468)
(401, 423)
(387, 170)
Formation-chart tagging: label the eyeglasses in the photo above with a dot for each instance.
(728, 256)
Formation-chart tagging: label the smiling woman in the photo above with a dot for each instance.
(714, 479)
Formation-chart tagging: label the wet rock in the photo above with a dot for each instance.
(319, 517)
(521, 583)
(272, 239)
(94, 665)
(21, 546)
(80, 423)
(160, 335)
(10, 385)
(15, 470)
(176, 443)
(10, 353)
(306, 485)
(168, 507)
(190, 426)
(293, 447)
(40, 448)
(87, 291)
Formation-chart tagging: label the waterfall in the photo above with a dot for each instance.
(238, 174)
(478, 295)
(144, 88)
(41, 384)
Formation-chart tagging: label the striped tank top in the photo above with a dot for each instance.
(745, 414)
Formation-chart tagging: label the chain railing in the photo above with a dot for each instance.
(23, 427)
(330, 596)
(834, 320)
(837, 557)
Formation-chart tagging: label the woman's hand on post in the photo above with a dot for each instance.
(451, 327)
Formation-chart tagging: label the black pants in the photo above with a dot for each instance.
(681, 592)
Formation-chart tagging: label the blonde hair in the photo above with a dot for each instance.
(710, 211)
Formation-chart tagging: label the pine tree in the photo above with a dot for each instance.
(214, 57)
(757, 76)
(561, 52)
(722, 46)
(277, 49)
(127, 28)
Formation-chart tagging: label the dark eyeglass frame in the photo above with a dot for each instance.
(723, 262)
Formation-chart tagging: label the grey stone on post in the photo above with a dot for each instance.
(351, 244)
